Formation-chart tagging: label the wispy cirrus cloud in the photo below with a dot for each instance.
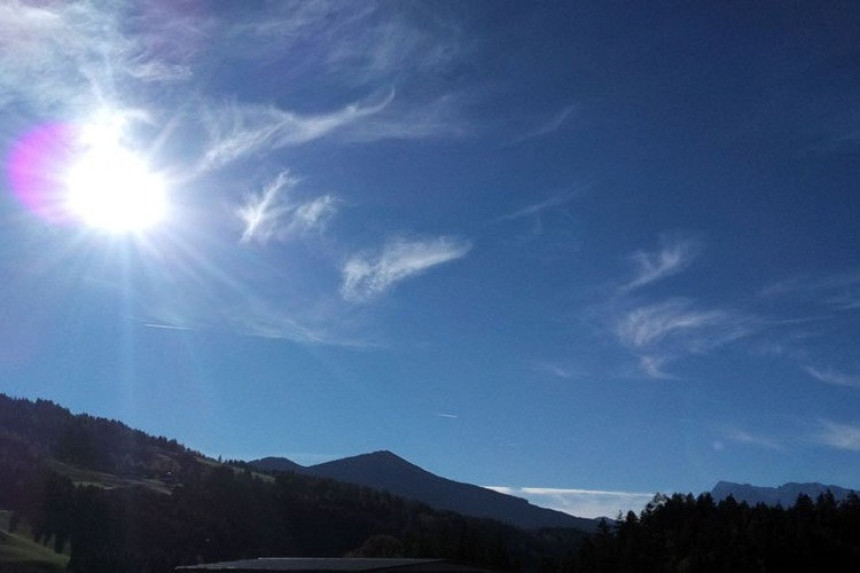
(581, 502)
(674, 255)
(272, 214)
(838, 291)
(659, 332)
(239, 130)
(830, 376)
(43, 57)
(366, 276)
(678, 321)
(839, 436)
(359, 47)
(362, 43)
(663, 332)
(434, 118)
(72, 55)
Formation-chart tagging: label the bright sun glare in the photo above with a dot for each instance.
(110, 187)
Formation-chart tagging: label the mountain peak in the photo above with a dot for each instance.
(381, 464)
(276, 464)
(385, 454)
(385, 470)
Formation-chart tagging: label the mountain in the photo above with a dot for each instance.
(277, 465)
(106, 497)
(784, 495)
(386, 471)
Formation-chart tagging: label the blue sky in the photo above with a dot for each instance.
(580, 251)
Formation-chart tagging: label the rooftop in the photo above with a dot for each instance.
(331, 564)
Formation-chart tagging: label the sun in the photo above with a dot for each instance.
(109, 186)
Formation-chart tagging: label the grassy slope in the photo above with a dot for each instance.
(19, 553)
(85, 477)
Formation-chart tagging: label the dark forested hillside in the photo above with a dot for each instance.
(117, 499)
(38, 437)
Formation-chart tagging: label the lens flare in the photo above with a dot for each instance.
(35, 169)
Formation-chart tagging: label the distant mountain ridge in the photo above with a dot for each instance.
(384, 470)
(117, 499)
(785, 495)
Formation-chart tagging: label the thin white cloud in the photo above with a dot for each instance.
(830, 376)
(556, 370)
(839, 436)
(439, 117)
(236, 131)
(846, 300)
(362, 43)
(663, 332)
(164, 326)
(358, 46)
(548, 126)
(244, 311)
(581, 502)
(77, 55)
(448, 416)
(239, 130)
(261, 212)
(149, 71)
(673, 257)
(261, 319)
(368, 276)
(747, 438)
(271, 214)
(678, 320)
(652, 367)
(538, 208)
(45, 50)
(313, 214)
(839, 291)
(666, 331)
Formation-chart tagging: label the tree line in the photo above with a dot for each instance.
(682, 533)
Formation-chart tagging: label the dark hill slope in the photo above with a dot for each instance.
(386, 471)
(41, 435)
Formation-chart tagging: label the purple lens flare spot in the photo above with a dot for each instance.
(36, 166)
